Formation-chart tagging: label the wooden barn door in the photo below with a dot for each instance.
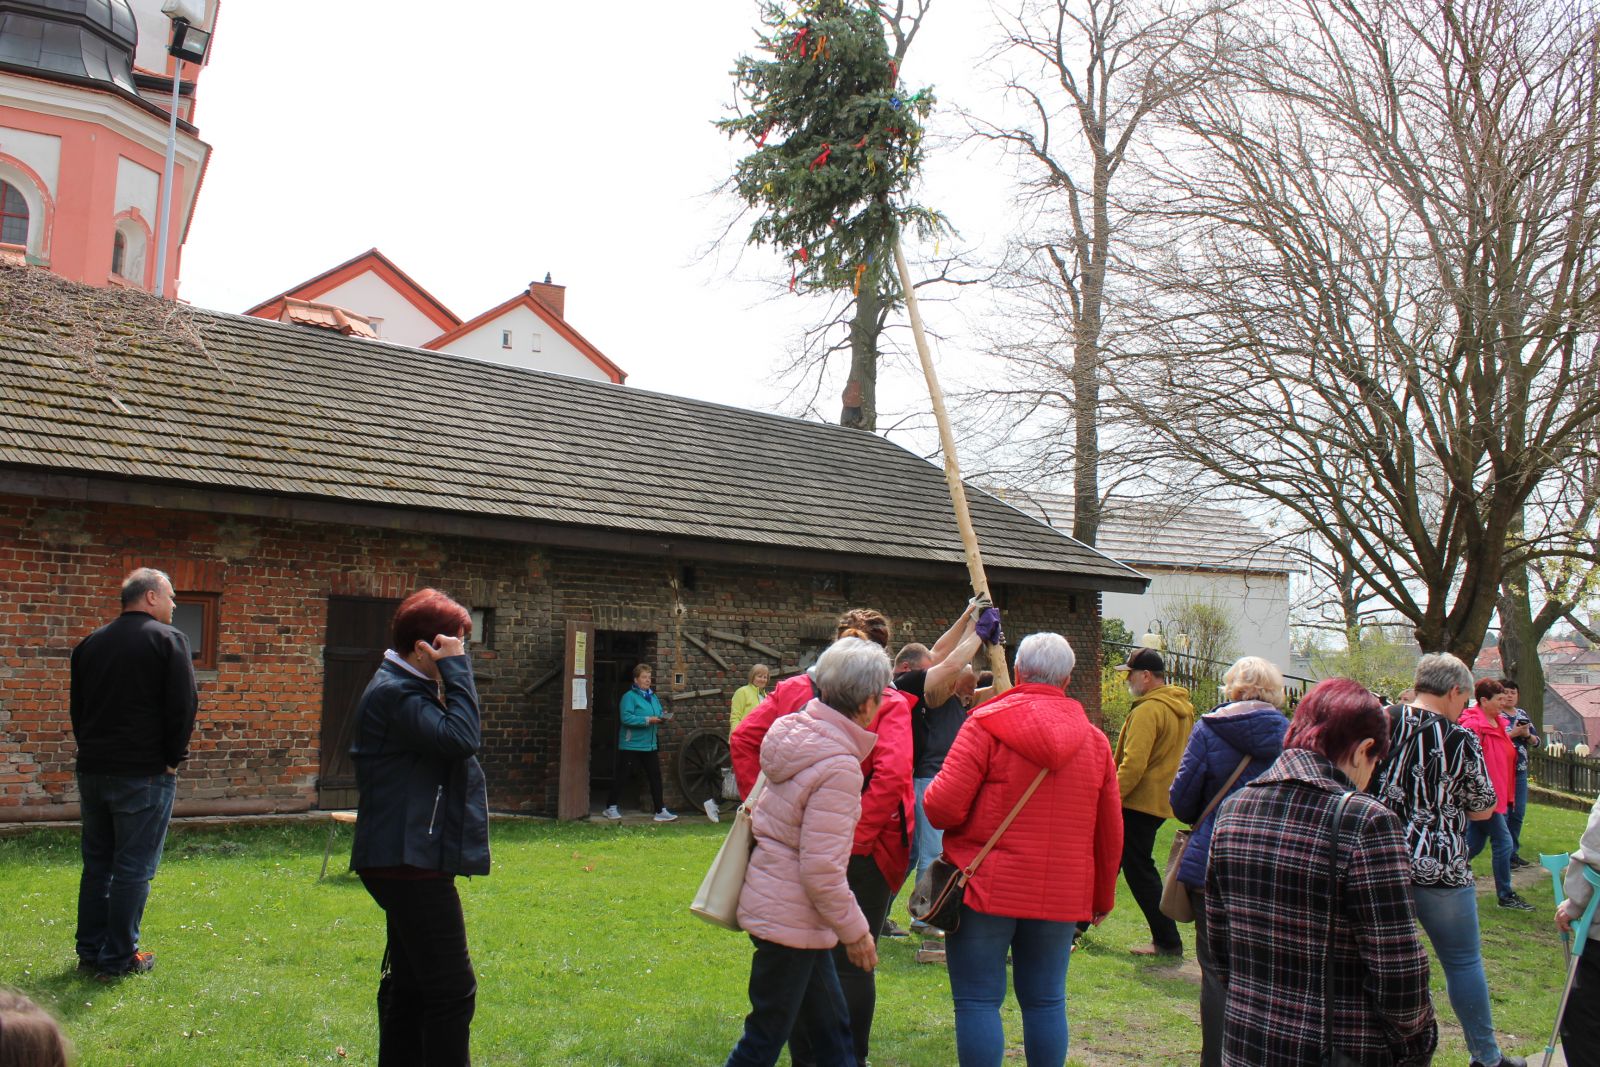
(358, 633)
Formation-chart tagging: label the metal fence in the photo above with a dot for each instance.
(1566, 774)
(1203, 677)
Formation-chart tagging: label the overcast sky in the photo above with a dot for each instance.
(480, 146)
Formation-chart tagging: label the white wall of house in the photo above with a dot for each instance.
(526, 329)
(368, 294)
(1258, 605)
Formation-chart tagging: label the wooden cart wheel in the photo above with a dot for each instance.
(702, 758)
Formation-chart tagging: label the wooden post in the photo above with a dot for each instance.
(952, 465)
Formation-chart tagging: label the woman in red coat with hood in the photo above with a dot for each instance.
(1055, 867)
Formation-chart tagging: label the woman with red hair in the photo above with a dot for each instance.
(423, 819)
(1305, 951)
(1500, 758)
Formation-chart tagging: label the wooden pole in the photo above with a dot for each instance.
(952, 465)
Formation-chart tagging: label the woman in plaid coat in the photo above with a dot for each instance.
(1270, 887)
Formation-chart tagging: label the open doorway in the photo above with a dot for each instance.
(616, 653)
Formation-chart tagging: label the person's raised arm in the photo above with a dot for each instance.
(940, 684)
(950, 638)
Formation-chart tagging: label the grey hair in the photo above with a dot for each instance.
(1254, 678)
(142, 581)
(850, 672)
(1440, 672)
(1046, 658)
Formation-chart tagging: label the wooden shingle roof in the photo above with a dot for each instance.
(268, 408)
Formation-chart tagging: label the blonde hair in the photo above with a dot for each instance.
(759, 668)
(1253, 678)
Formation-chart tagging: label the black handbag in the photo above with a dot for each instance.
(1332, 1057)
(936, 900)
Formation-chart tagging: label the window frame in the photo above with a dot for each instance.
(505, 338)
(204, 654)
(8, 190)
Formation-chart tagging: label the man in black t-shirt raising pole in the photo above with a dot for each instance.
(933, 676)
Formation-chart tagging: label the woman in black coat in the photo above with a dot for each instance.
(423, 819)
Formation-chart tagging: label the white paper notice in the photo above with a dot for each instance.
(580, 694)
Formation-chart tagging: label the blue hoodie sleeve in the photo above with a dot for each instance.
(635, 709)
(1188, 792)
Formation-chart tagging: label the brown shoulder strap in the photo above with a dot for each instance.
(1007, 822)
(1234, 777)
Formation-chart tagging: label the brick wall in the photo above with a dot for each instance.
(258, 735)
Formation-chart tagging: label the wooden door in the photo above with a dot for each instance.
(577, 702)
(358, 633)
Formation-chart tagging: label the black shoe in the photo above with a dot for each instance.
(892, 929)
(1515, 903)
(1506, 1060)
(142, 963)
(88, 967)
(1517, 863)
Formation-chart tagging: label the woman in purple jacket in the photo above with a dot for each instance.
(1252, 724)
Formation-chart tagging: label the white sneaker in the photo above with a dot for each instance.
(712, 811)
(665, 816)
(612, 813)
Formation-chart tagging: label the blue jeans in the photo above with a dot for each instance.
(1494, 831)
(1514, 816)
(789, 985)
(1449, 916)
(926, 842)
(976, 957)
(124, 826)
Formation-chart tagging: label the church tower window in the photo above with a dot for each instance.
(13, 215)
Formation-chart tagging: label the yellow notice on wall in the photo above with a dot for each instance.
(580, 652)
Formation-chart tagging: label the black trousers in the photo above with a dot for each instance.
(788, 985)
(650, 763)
(1139, 870)
(860, 987)
(1213, 994)
(1580, 1024)
(428, 990)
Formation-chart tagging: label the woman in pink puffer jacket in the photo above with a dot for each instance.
(796, 904)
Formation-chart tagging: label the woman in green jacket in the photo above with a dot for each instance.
(636, 744)
(747, 697)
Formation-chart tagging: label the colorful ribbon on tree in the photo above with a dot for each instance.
(861, 268)
(822, 156)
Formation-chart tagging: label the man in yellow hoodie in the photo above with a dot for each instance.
(1148, 751)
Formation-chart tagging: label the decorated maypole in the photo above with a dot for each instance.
(836, 147)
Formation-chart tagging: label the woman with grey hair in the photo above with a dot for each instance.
(1229, 747)
(1051, 871)
(797, 903)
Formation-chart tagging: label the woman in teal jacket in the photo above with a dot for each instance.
(636, 744)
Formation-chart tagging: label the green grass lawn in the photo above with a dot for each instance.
(586, 955)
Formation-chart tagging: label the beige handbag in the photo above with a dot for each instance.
(718, 899)
(1175, 902)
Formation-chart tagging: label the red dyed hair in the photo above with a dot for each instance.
(867, 624)
(1487, 688)
(424, 615)
(1335, 717)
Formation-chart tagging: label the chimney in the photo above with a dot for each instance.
(551, 296)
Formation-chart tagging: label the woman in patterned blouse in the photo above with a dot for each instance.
(1271, 901)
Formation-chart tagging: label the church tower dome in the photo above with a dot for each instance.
(87, 40)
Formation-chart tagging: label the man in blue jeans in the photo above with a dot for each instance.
(1435, 780)
(133, 706)
(1526, 739)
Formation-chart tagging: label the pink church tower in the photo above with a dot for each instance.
(85, 97)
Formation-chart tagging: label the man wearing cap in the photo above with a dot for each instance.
(1149, 749)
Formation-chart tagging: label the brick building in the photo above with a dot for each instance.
(296, 484)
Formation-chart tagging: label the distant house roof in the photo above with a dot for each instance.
(331, 427)
(380, 265)
(1189, 538)
(1488, 661)
(1585, 700)
(326, 317)
(526, 299)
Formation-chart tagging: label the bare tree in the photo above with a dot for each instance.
(1087, 74)
(1373, 297)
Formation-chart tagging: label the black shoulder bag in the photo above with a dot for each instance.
(1331, 1056)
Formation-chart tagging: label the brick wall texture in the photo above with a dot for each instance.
(258, 735)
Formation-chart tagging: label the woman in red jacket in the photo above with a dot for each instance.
(1500, 757)
(1054, 868)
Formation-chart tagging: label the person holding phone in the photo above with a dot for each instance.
(423, 819)
(637, 745)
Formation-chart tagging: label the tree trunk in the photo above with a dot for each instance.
(860, 409)
(1520, 634)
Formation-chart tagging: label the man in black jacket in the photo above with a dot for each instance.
(133, 708)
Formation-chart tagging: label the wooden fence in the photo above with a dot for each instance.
(1566, 774)
(1203, 677)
